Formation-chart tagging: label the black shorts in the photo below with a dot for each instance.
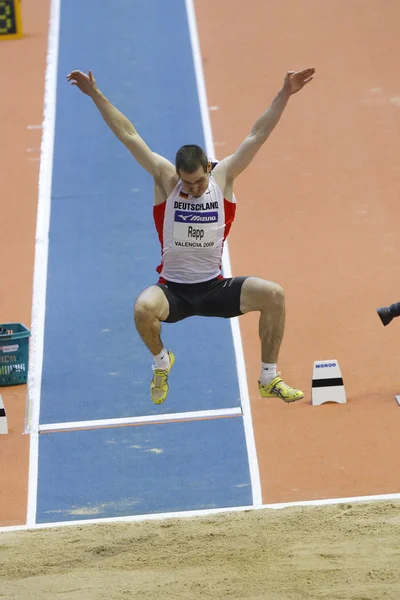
(214, 298)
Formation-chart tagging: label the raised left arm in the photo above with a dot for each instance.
(231, 166)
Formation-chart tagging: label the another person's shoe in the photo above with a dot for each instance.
(277, 388)
(159, 384)
(385, 315)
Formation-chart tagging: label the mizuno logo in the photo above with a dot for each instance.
(195, 217)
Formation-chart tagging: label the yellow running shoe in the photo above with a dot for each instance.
(277, 388)
(159, 384)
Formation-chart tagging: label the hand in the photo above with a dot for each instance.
(86, 83)
(296, 80)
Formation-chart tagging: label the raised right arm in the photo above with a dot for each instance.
(158, 167)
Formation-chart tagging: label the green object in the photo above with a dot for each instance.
(14, 353)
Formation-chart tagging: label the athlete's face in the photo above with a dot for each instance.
(195, 183)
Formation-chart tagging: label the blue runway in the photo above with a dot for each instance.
(161, 468)
(103, 251)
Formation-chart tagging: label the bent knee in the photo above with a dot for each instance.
(151, 304)
(260, 294)
(276, 292)
(272, 295)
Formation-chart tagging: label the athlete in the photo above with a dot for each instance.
(194, 207)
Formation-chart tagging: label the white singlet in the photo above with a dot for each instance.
(192, 232)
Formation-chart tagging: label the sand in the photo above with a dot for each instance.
(346, 551)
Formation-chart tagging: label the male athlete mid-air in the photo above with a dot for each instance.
(194, 208)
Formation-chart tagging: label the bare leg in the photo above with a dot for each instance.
(151, 307)
(267, 298)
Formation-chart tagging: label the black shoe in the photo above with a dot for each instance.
(385, 314)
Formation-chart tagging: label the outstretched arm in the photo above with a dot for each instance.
(233, 165)
(121, 126)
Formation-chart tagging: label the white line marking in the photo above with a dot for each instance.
(203, 513)
(184, 416)
(237, 341)
(41, 256)
(34, 126)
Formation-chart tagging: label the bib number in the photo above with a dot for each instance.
(195, 230)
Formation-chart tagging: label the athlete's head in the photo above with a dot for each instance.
(193, 167)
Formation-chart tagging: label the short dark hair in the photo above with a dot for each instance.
(189, 158)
